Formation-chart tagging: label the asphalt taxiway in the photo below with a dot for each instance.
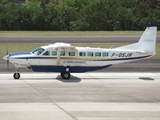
(86, 96)
(70, 39)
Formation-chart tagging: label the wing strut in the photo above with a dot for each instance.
(58, 55)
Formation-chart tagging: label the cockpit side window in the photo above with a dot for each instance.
(38, 51)
(47, 53)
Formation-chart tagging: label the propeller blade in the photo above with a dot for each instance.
(8, 64)
(6, 49)
(8, 56)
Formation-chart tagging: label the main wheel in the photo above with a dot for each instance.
(65, 75)
(16, 75)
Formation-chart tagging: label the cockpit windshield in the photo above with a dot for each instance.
(38, 51)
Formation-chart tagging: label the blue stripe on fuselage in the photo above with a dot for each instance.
(19, 53)
(74, 69)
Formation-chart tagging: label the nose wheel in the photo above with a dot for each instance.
(16, 75)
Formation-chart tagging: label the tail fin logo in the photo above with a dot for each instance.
(148, 40)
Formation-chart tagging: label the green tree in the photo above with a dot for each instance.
(77, 15)
(9, 16)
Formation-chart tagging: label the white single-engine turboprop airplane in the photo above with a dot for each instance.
(66, 59)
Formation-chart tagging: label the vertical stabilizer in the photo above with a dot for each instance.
(147, 41)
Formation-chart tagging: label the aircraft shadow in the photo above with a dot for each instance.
(146, 78)
(73, 79)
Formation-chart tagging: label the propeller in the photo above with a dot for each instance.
(7, 57)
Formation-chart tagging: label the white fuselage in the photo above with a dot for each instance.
(78, 56)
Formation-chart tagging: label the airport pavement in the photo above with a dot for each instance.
(86, 96)
(70, 39)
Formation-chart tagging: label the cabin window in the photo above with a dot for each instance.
(90, 54)
(38, 51)
(97, 54)
(71, 53)
(62, 53)
(82, 53)
(54, 53)
(47, 53)
(105, 54)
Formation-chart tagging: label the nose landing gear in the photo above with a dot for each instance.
(16, 75)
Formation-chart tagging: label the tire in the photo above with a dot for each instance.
(62, 74)
(65, 75)
(16, 75)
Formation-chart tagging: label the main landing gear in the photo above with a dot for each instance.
(66, 74)
(16, 75)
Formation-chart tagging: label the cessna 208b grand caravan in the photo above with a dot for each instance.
(66, 59)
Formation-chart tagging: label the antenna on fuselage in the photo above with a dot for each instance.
(111, 47)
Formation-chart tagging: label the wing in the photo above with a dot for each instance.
(65, 48)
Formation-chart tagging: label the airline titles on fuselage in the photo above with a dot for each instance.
(77, 62)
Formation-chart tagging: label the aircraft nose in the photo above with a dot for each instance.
(6, 57)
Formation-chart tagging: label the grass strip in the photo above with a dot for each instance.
(72, 33)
